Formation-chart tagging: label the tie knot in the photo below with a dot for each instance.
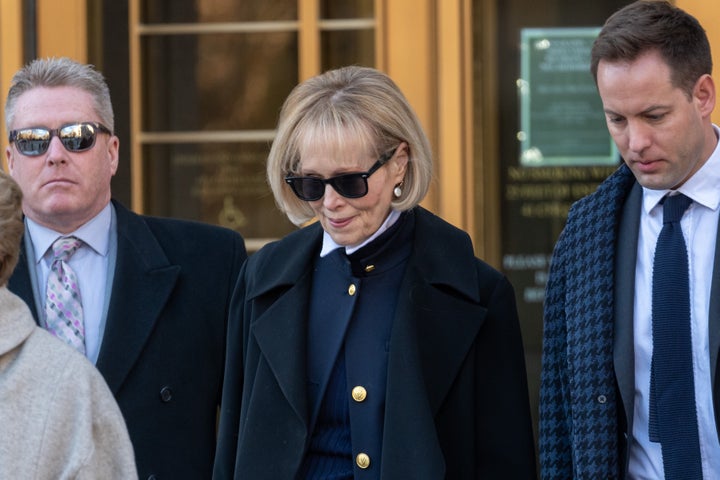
(674, 207)
(64, 247)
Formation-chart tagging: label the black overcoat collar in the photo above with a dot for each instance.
(142, 285)
(437, 320)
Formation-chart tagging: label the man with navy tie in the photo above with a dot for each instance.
(632, 322)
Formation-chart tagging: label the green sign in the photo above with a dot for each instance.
(561, 116)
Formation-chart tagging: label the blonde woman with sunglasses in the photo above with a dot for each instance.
(371, 343)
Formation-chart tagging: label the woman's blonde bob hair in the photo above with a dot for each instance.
(347, 105)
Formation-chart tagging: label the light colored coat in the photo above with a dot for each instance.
(58, 419)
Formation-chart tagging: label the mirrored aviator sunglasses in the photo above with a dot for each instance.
(75, 137)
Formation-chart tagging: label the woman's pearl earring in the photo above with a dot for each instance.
(397, 191)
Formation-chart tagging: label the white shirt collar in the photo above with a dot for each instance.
(95, 233)
(329, 244)
(703, 187)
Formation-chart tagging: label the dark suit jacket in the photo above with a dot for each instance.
(456, 403)
(162, 353)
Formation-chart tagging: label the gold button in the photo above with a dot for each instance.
(369, 268)
(362, 460)
(359, 394)
(352, 289)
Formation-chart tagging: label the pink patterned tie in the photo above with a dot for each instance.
(63, 304)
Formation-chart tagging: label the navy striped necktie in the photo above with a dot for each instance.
(673, 414)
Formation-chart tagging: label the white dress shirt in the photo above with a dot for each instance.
(90, 263)
(329, 244)
(700, 228)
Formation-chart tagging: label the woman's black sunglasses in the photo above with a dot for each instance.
(75, 137)
(349, 185)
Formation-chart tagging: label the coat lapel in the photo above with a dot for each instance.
(281, 329)
(428, 345)
(281, 334)
(142, 284)
(623, 351)
(431, 336)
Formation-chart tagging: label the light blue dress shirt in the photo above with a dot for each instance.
(93, 264)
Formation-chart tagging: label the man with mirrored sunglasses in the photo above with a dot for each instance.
(148, 297)
(75, 137)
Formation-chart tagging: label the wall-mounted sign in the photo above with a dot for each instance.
(561, 117)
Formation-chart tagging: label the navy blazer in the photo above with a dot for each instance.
(457, 400)
(162, 353)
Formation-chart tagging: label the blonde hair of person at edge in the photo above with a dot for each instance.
(58, 419)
